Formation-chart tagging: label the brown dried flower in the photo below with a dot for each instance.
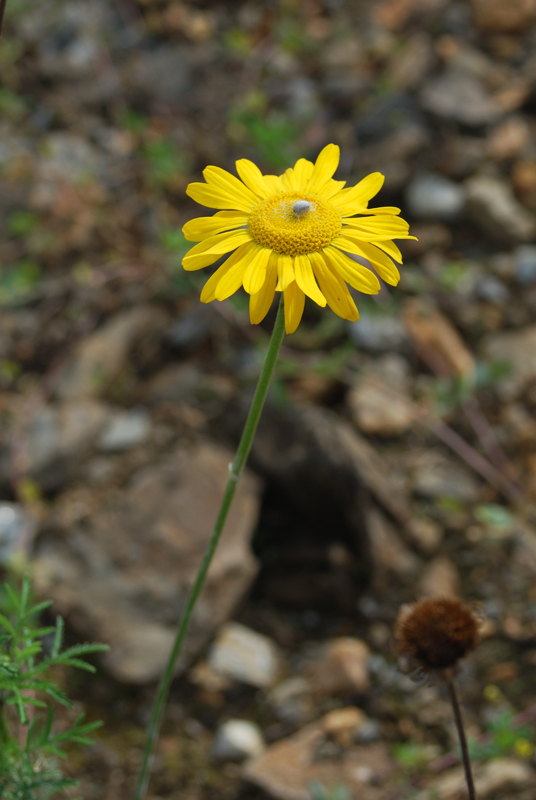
(434, 634)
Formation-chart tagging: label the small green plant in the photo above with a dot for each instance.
(504, 737)
(29, 745)
(339, 791)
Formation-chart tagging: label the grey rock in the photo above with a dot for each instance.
(237, 740)
(492, 205)
(502, 775)
(246, 656)
(460, 96)
(517, 350)
(100, 358)
(192, 327)
(525, 264)
(378, 333)
(491, 289)
(439, 476)
(126, 429)
(433, 197)
(17, 530)
(59, 437)
(292, 701)
(137, 559)
(162, 74)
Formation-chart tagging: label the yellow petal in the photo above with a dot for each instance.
(231, 281)
(285, 270)
(306, 280)
(221, 179)
(255, 274)
(260, 302)
(331, 188)
(202, 227)
(358, 276)
(213, 197)
(377, 228)
(274, 183)
(377, 210)
(382, 263)
(360, 194)
(209, 289)
(199, 256)
(295, 180)
(294, 303)
(334, 288)
(390, 248)
(324, 169)
(252, 177)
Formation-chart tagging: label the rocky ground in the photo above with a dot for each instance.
(397, 455)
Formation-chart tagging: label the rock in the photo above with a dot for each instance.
(436, 339)
(378, 333)
(492, 205)
(491, 289)
(341, 667)
(137, 559)
(377, 408)
(101, 357)
(17, 531)
(389, 553)
(494, 15)
(407, 67)
(286, 770)
(59, 438)
(433, 197)
(525, 264)
(508, 139)
(498, 775)
(236, 740)
(125, 429)
(460, 96)
(292, 701)
(440, 579)
(246, 656)
(438, 476)
(426, 534)
(193, 327)
(517, 350)
(187, 383)
(162, 75)
(344, 724)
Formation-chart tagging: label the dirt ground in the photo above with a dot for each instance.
(397, 455)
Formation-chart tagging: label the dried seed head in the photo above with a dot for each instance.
(435, 633)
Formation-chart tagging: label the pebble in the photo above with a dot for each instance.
(491, 289)
(498, 775)
(496, 15)
(389, 553)
(457, 95)
(492, 205)
(246, 656)
(125, 430)
(440, 579)
(378, 333)
(525, 264)
(292, 701)
(342, 666)
(237, 740)
(437, 476)
(518, 350)
(432, 197)
(379, 409)
(17, 530)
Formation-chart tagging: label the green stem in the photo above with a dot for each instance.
(4, 732)
(234, 475)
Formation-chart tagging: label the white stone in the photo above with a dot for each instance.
(244, 655)
(236, 740)
(126, 429)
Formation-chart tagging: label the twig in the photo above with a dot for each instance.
(2, 12)
(456, 707)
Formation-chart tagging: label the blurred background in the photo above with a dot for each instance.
(397, 454)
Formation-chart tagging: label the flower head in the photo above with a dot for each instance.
(435, 633)
(293, 234)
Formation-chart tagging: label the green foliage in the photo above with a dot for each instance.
(17, 280)
(505, 738)
(164, 162)
(339, 791)
(20, 223)
(411, 756)
(28, 768)
(270, 132)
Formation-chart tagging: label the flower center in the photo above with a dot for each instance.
(294, 224)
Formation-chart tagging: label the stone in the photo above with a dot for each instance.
(137, 559)
(17, 532)
(426, 534)
(433, 197)
(344, 724)
(493, 207)
(407, 67)
(292, 701)
(498, 775)
(378, 333)
(440, 579)
(389, 553)
(491, 289)
(517, 350)
(59, 438)
(125, 429)
(379, 409)
(237, 740)
(508, 139)
(286, 769)
(341, 666)
(100, 358)
(458, 95)
(438, 476)
(246, 656)
(192, 328)
(512, 17)
(525, 264)
(436, 339)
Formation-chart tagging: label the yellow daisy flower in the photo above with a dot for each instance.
(292, 234)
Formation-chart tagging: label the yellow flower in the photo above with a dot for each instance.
(292, 234)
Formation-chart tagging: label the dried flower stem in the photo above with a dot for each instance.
(456, 707)
(235, 471)
(2, 12)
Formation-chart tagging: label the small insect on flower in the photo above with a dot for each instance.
(293, 234)
(435, 633)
